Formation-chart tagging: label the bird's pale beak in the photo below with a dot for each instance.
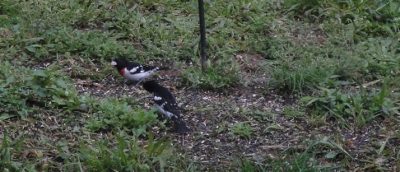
(113, 63)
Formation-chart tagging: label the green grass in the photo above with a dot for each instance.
(128, 155)
(117, 114)
(316, 156)
(223, 74)
(338, 61)
(361, 107)
(242, 129)
(23, 90)
(304, 68)
(369, 18)
(105, 29)
(8, 149)
(297, 162)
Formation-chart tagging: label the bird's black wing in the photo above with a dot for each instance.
(168, 103)
(135, 68)
(171, 110)
(148, 68)
(165, 94)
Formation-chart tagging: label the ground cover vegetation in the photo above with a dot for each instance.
(292, 85)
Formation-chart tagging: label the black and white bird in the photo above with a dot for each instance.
(133, 71)
(166, 104)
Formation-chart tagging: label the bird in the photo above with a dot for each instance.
(132, 71)
(166, 105)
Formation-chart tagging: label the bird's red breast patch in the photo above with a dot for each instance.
(122, 71)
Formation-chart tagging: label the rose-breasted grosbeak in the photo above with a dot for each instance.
(133, 71)
(166, 104)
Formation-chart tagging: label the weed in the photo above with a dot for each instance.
(49, 84)
(307, 160)
(249, 166)
(378, 18)
(301, 76)
(370, 60)
(10, 101)
(127, 155)
(215, 77)
(303, 68)
(316, 119)
(258, 115)
(297, 162)
(8, 13)
(170, 33)
(22, 88)
(312, 9)
(8, 150)
(334, 148)
(303, 161)
(294, 112)
(114, 114)
(242, 129)
(362, 106)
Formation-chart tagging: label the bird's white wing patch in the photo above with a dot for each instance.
(133, 70)
(113, 63)
(156, 98)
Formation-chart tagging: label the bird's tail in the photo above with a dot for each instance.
(180, 126)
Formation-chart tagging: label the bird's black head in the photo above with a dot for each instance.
(151, 86)
(119, 63)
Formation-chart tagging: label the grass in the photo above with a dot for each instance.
(307, 160)
(218, 76)
(335, 60)
(339, 58)
(307, 67)
(362, 106)
(368, 18)
(8, 149)
(24, 89)
(117, 114)
(61, 31)
(242, 129)
(127, 155)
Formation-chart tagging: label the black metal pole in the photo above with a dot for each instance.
(203, 55)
